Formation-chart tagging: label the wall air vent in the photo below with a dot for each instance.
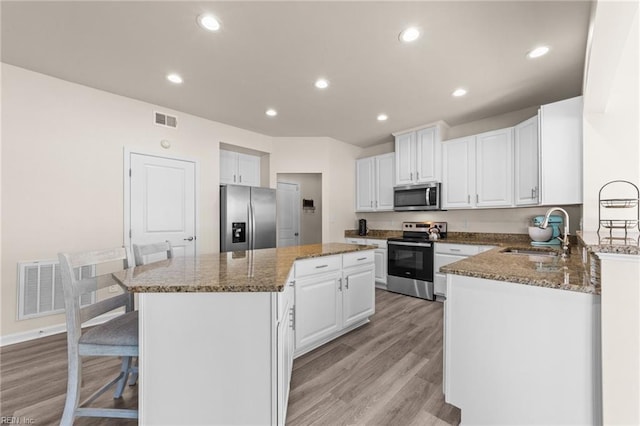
(40, 288)
(165, 120)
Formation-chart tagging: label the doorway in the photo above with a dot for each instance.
(160, 202)
(301, 212)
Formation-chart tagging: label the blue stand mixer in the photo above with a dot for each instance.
(555, 222)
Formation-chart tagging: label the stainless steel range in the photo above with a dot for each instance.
(410, 259)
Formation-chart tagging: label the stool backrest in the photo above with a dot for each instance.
(141, 251)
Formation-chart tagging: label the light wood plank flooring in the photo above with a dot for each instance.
(388, 372)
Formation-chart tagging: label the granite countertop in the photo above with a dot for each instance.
(604, 243)
(541, 271)
(264, 270)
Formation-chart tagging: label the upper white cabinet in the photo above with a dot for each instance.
(494, 168)
(239, 169)
(561, 152)
(458, 171)
(374, 183)
(418, 156)
(526, 162)
(478, 170)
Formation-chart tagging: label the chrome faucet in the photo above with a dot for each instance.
(565, 238)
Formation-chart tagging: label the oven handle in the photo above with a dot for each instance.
(402, 243)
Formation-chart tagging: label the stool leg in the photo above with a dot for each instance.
(74, 377)
(134, 375)
(124, 372)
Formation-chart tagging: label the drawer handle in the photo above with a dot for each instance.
(362, 258)
(454, 249)
(321, 266)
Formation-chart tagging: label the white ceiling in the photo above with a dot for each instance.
(268, 54)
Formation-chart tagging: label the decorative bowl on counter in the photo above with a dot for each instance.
(538, 234)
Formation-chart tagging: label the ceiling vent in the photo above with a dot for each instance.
(165, 120)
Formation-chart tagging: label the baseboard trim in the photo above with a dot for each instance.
(25, 336)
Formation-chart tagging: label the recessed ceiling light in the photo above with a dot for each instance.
(209, 22)
(174, 78)
(538, 51)
(382, 117)
(459, 92)
(409, 35)
(321, 83)
(271, 112)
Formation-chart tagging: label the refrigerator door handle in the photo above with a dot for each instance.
(252, 222)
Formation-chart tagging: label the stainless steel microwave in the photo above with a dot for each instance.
(417, 197)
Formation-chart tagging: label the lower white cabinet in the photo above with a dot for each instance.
(380, 258)
(518, 354)
(285, 338)
(446, 253)
(329, 303)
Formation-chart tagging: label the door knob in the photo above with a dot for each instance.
(189, 239)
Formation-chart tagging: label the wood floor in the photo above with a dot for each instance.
(388, 372)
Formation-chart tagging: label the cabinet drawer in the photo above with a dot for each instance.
(378, 243)
(358, 258)
(319, 265)
(440, 260)
(457, 249)
(355, 240)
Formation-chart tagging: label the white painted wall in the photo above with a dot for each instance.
(612, 151)
(310, 186)
(333, 159)
(62, 171)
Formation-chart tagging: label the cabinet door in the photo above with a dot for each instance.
(458, 173)
(228, 167)
(283, 334)
(380, 257)
(405, 158)
(427, 155)
(318, 308)
(526, 162)
(365, 185)
(494, 168)
(248, 170)
(561, 152)
(383, 199)
(358, 295)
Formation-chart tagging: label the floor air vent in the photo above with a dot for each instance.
(40, 288)
(165, 120)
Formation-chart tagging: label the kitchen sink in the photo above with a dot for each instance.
(530, 252)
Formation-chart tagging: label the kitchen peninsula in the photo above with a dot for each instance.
(217, 330)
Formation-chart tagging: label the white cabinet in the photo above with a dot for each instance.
(458, 172)
(561, 152)
(330, 301)
(239, 169)
(380, 258)
(285, 347)
(494, 168)
(526, 162)
(418, 156)
(478, 170)
(511, 354)
(446, 253)
(374, 183)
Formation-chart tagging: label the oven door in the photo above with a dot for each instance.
(410, 260)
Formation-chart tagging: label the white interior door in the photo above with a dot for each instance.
(163, 202)
(288, 209)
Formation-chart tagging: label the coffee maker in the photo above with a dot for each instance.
(362, 227)
(555, 223)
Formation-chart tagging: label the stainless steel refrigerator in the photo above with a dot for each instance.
(247, 218)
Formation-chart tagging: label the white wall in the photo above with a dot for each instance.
(62, 171)
(612, 151)
(335, 161)
(310, 186)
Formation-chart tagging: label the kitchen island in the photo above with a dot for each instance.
(217, 335)
(522, 338)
